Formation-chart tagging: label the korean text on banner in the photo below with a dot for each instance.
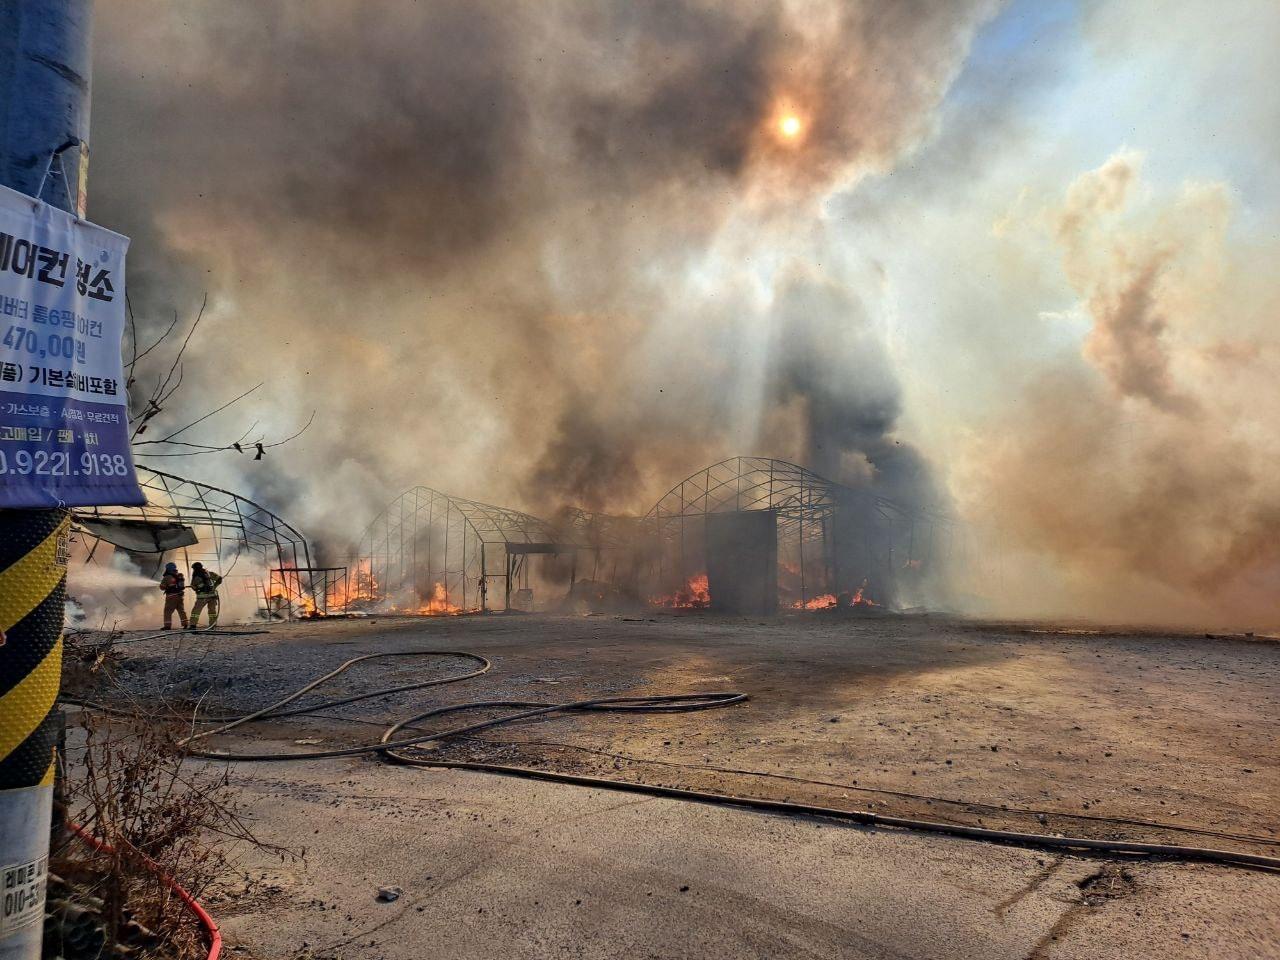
(64, 423)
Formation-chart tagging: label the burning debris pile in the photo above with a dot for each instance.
(857, 600)
(341, 591)
(358, 591)
(438, 604)
(694, 595)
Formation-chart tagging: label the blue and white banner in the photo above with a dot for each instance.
(64, 420)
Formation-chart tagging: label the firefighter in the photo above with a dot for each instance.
(174, 586)
(205, 584)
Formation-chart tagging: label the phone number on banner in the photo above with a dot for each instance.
(58, 463)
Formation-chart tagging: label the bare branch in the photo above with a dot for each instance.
(183, 349)
(159, 340)
(211, 413)
(295, 436)
(133, 335)
(182, 369)
(196, 449)
(167, 385)
(240, 439)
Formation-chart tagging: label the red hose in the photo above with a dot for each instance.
(206, 921)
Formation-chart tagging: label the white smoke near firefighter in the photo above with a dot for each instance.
(111, 589)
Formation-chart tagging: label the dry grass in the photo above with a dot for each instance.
(162, 816)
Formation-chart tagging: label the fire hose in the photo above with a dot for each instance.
(392, 748)
(212, 933)
(169, 634)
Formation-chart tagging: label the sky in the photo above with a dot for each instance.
(1005, 260)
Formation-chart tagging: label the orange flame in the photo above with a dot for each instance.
(860, 599)
(438, 604)
(696, 595)
(360, 586)
(293, 592)
(828, 601)
(822, 602)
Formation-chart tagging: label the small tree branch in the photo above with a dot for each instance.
(195, 449)
(159, 340)
(183, 349)
(294, 436)
(133, 335)
(211, 413)
(240, 439)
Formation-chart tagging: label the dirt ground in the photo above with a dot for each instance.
(1139, 736)
(1001, 725)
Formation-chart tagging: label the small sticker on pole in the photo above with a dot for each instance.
(22, 887)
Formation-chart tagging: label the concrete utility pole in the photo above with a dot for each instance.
(44, 132)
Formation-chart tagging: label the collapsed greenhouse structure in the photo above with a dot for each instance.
(258, 552)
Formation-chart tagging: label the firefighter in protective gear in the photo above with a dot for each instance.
(174, 586)
(205, 584)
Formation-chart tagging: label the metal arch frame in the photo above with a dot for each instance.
(237, 524)
(458, 531)
(803, 493)
(592, 530)
(388, 548)
(498, 524)
(805, 503)
(796, 494)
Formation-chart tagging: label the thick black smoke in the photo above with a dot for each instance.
(829, 356)
(509, 249)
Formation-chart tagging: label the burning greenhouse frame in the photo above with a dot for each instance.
(187, 521)
(742, 535)
(428, 552)
(795, 536)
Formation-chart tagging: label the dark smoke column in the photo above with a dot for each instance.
(44, 128)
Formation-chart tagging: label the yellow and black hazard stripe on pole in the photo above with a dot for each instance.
(33, 584)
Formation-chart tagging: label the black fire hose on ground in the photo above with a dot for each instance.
(392, 748)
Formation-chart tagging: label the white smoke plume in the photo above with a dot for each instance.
(1147, 474)
(106, 589)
